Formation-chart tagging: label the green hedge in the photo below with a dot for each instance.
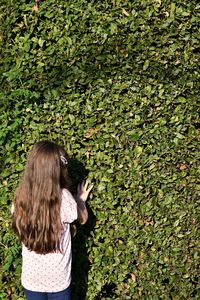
(116, 82)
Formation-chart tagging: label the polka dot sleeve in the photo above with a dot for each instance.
(68, 207)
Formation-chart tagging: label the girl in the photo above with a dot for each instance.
(42, 211)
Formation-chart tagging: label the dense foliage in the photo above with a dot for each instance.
(116, 82)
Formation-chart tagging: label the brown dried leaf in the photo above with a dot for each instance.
(166, 259)
(90, 258)
(166, 14)
(90, 132)
(35, 7)
(125, 12)
(133, 277)
(126, 286)
(150, 222)
(87, 153)
(142, 254)
(182, 166)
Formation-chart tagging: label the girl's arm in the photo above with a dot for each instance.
(83, 191)
(82, 211)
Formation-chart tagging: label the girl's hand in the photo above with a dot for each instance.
(83, 191)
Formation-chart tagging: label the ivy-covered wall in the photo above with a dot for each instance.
(116, 82)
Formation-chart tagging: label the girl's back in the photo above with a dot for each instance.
(52, 272)
(42, 212)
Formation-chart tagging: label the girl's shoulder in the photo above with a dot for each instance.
(65, 193)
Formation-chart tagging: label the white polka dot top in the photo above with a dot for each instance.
(51, 272)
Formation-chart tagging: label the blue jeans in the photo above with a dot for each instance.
(63, 295)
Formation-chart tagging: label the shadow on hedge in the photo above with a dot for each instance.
(81, 263)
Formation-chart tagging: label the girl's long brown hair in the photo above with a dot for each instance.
(36, 217)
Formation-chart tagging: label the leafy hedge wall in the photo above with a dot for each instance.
(116, 82)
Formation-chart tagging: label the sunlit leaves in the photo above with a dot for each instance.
(116, 83)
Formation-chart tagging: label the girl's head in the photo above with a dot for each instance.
(47, 166)
(36, 216)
